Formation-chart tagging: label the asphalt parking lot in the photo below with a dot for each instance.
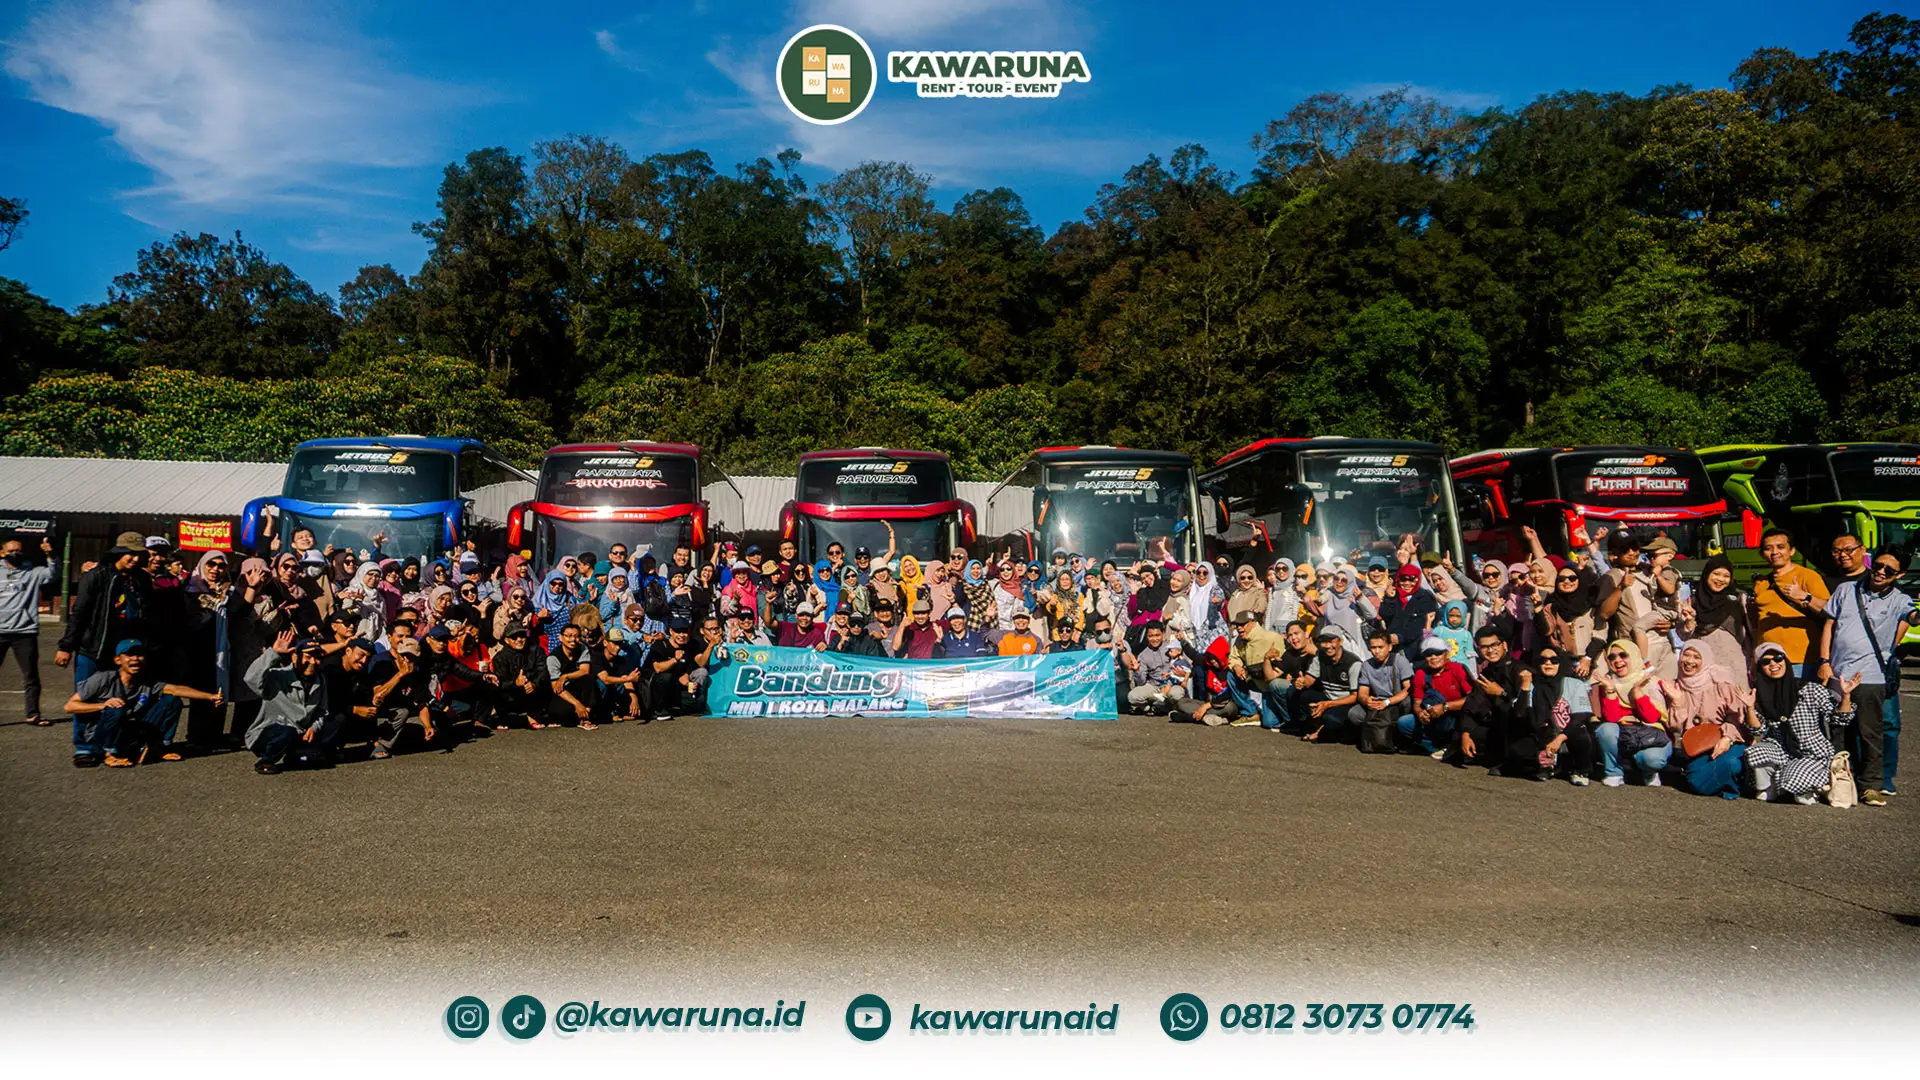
(941, 851)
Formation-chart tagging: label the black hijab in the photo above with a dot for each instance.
(1715, 609)
(1570, 605)
(1154, 597)
(1774, 699)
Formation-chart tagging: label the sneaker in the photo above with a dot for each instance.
(1214, 719)
(1874, 797)
(1653, 780)
(1245, 721)
(1580, 780)
(85, 761)
(1888, 790)
(1763, 795)
(1615, 781)
(1438, 755)
(266, 768)
(1806, 800)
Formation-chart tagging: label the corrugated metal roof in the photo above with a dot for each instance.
(765, 495)
(120, 486)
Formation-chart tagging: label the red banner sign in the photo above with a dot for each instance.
(206, 536)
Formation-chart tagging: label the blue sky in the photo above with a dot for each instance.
(320, 129)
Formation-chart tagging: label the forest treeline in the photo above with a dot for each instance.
(1686, 266)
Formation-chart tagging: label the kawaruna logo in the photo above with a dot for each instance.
(826, 74)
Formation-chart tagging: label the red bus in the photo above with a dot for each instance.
(652, 497)
(1563, 491)
(850, 497)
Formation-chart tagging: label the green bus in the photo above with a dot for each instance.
(1817, 493)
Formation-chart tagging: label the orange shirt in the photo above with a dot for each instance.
(1012, 644)
(1780, 622)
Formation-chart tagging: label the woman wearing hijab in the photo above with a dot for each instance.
(826, 588)
(370, 604)
(706, 592)
(614, 600)
(1703, 696)
(1410, 612)
(1249, 594)
(1283, 600)
(1177, 612)
(1792, 758)
(1718, 621)
(516, 608)
(1566, 620)
(912, 581)
(1548, 735)
(391, 593)
(1206, 604)
(1339, 605)
(1482, 594)
(412, 593)
(1149, 600)
(741, 595)
(939, 590)
(1632, 715)
(857, 595)
(209, 649)
(553, 608)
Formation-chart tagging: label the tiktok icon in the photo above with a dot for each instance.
(523, 1017)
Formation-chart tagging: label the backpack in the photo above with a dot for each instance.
(1842, 793)
(653, 599)
(1377, 731)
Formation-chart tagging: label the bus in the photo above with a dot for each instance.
(1103, 502)
(850, 497)
(1817, 493)
(651, 496)
(1310, 499)
(419, 495)
(1566, 493)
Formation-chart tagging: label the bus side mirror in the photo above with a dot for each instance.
(1750, 526)
(257, 523)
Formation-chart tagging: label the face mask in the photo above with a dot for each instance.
(16, 558)
(315, 571)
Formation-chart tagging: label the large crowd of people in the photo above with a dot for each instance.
(1609, 665)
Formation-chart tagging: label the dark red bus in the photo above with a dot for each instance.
(1562, 492)
(850, 497)
(652, 497)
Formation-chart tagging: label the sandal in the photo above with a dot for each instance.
(40, 721)
(169, 756)
(379, 754)
(114, 762)
(588, 725)
(535, 725)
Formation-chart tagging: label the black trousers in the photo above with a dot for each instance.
(26, 650)
(1869, 735)
(1576, 757)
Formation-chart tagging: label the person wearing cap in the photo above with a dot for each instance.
(886, 619)
(741, 628)
(1252, 662)
(1439, 691)
(863, 563)
(402, 691)
(916, 638)
(109, 605)
(620, 676)
(20, 587)
(676, 685)
(1153, 689)
(1332, 688)
(804, 632)
(1021, 640)
(857, 640)
(295, 719)
(958, 641)
(123, 713)
(519, 672)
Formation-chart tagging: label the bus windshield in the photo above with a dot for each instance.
(870, 481)
(553, 538)
(405, 539)
(618, 479)
(1877, 475)
(923, 538)
(1119, 512)
(1364, 498)
(1604, 478)
(369, 474)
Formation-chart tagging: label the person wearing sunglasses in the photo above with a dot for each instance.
(1704, 696)
(1793, 758)
(1632, 714)
(1248, 593)
(1283, 598)
(1865, 621)
(1719, 619)
(1550, 737)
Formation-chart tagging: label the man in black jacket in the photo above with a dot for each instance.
(1488, 716)
(109, 605)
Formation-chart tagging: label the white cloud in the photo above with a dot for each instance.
(228, 104)
(1459, 99)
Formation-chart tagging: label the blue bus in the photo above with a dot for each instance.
(422, 495)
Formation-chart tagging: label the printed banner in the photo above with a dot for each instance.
(206, 536)
(771, 681)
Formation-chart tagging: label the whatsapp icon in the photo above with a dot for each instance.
(1183, 1017)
